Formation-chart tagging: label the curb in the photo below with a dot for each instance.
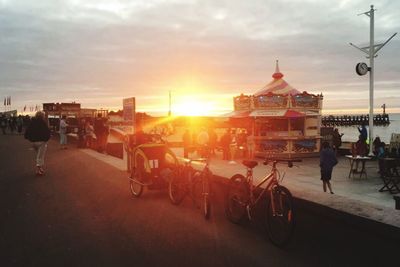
(366, 225)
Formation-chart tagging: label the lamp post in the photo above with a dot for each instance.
(362, 69)
(169, 111)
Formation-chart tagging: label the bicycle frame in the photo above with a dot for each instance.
(273, 180)
(188, 170)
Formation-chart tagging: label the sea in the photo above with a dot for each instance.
(350, 133)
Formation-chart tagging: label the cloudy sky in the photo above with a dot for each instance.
(97, 52)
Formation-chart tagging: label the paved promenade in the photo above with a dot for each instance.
(81, 213)
(354, 196)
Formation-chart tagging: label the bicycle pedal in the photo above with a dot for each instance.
(248, 212)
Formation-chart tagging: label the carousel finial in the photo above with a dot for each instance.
(277, 74)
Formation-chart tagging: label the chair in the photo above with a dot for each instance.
(394, 141)
(389, 176)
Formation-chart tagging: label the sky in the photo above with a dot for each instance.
(204, 52)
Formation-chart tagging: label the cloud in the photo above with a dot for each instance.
(103, 51)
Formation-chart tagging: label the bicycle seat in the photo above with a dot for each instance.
(250, 163)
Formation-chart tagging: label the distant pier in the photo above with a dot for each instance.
(347, 120)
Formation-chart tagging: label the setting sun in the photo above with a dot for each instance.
(192, 106)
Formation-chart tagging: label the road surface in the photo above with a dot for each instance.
(81, 213)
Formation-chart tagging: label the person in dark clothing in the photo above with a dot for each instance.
(187, 142)
(361, 147)
(363, 132)
(225, 142)
(38, 133)
(336, 139)
(327, 162)
(101, 133)
(377, 144)
(213, 138)
(20, 123)
(3, 124)
(141, 137)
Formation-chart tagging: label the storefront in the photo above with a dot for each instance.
(73, 113)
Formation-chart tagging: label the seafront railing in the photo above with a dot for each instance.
(348, 120)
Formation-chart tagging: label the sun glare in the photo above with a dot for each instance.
(192, 108)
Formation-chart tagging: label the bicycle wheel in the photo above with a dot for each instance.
(280, 223)
(199, 197)
(201, 193)
(136, 188)
(237, 198)
(177, 188)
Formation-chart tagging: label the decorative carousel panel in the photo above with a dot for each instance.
(271, 101)
(277, 146)
(305, 145)
(305, 100)
(242, 102)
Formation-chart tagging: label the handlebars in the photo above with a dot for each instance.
(275, 161)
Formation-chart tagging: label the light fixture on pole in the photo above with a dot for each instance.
(362, 69)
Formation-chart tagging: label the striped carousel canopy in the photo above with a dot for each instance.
(277, 85)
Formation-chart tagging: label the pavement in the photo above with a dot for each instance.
(81, 213)
(356, 200)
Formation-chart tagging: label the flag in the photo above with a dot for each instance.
(10, 101)
(4, 101)
(24, 108)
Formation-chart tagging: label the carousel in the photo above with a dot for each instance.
(282, 119)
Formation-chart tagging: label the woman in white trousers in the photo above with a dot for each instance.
(38, 133)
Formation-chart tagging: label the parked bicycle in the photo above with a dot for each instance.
(243, 196)
(193, 183)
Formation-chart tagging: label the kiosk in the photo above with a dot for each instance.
(284, 120)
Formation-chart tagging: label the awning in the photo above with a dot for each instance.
(277, 113)
(267, 113)
(289, 113)
(293, 114)
(237, 114)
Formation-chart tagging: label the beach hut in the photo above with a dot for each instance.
(284, 120)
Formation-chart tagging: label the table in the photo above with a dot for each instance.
(354, 162)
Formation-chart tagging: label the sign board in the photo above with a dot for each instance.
(129, 111)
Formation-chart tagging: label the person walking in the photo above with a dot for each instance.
(101, 132)
(203, 142)
(3, 124)
(213, 139)
(225, 142)
(327, 161)
(251, 144)
(38, 133)
(89, 134)
(187, 142)
(63, 132)
(20, 123)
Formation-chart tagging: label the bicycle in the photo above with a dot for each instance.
(196, 184)
(242, 197)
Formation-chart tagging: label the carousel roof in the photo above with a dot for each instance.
(278, 85)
